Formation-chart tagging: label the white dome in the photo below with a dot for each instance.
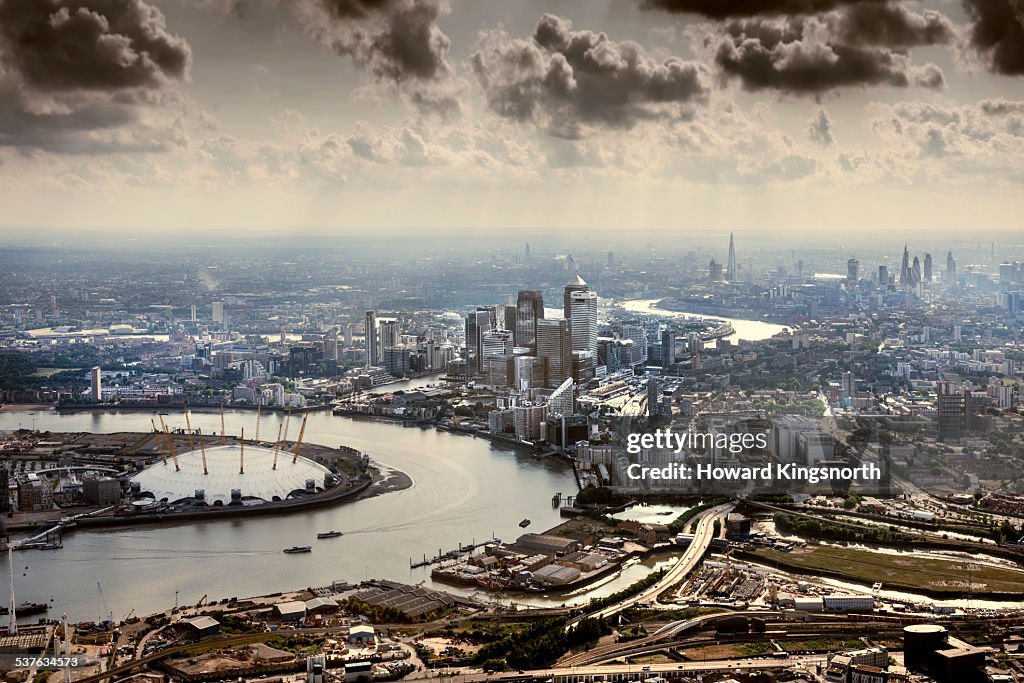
(259, 480)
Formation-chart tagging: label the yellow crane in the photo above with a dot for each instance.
(298, 444)
(222, 432)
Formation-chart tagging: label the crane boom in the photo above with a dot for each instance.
(202, 447)
(222, 432)
(259, 407)
(298, 444)
(241, 454)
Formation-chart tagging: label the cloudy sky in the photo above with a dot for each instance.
(345, 116)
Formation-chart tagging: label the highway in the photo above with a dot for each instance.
(635, 671)
(689, 559)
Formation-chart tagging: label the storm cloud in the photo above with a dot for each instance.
(90, 44)
(563, 79)
(397, 40)
(79, 76)
(805, 56)
(726, 9)
(998, 33)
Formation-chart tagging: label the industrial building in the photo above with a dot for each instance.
(929, 649)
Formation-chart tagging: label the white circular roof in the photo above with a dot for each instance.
(259, 480)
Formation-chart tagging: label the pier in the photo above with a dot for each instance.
(451, 554)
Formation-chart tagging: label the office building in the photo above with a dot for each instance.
(218, 312)
(852, 272)
(370, 334)
(478, 323)
(949, 408)
(583, 319)
(883, 276)
(554, 346)
(668, 347)
(387, 334)
(563, 400)
(576, 284)
(950, 268)
(927, 267)
(529, 309)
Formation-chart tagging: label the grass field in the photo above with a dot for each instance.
(904, 570)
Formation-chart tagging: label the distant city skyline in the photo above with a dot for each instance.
(225, 117)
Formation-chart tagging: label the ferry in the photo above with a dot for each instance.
(329, 534)
(298, 549)
(27, 608)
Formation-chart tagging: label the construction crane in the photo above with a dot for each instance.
(259, 407)
(222, 432)
(241, 454)
(188, 424)
(202, 600)
(202, 448)
(277, 445)
(298, 444)
(103, 606)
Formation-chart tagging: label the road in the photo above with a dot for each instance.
(684, 565)
(651, 670)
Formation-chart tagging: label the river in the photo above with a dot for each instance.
(751, 330)
(464, 489)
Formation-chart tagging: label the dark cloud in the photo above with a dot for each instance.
(397, 40)
(726, 9)
(803, 56)
(998, 33)
(86, 76)
(892, 26)
(90, 44)
(563, 79)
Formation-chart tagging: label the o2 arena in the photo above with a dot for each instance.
(234, 474)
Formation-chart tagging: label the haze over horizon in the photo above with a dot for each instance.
(214, 118)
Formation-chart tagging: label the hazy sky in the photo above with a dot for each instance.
(221, 116)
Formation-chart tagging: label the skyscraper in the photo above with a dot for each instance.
(883, 276)
(370, 333)
(479, 323)
(668, 347)
(576, 284)
(915, 271)
(927, 267)
(387, 335)
(852, 272)
(583, 319)
(554, 345)
(730, 273)
(217, 312)
(96, 384)
(905, 267)
(529, 309)
(950, 268)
